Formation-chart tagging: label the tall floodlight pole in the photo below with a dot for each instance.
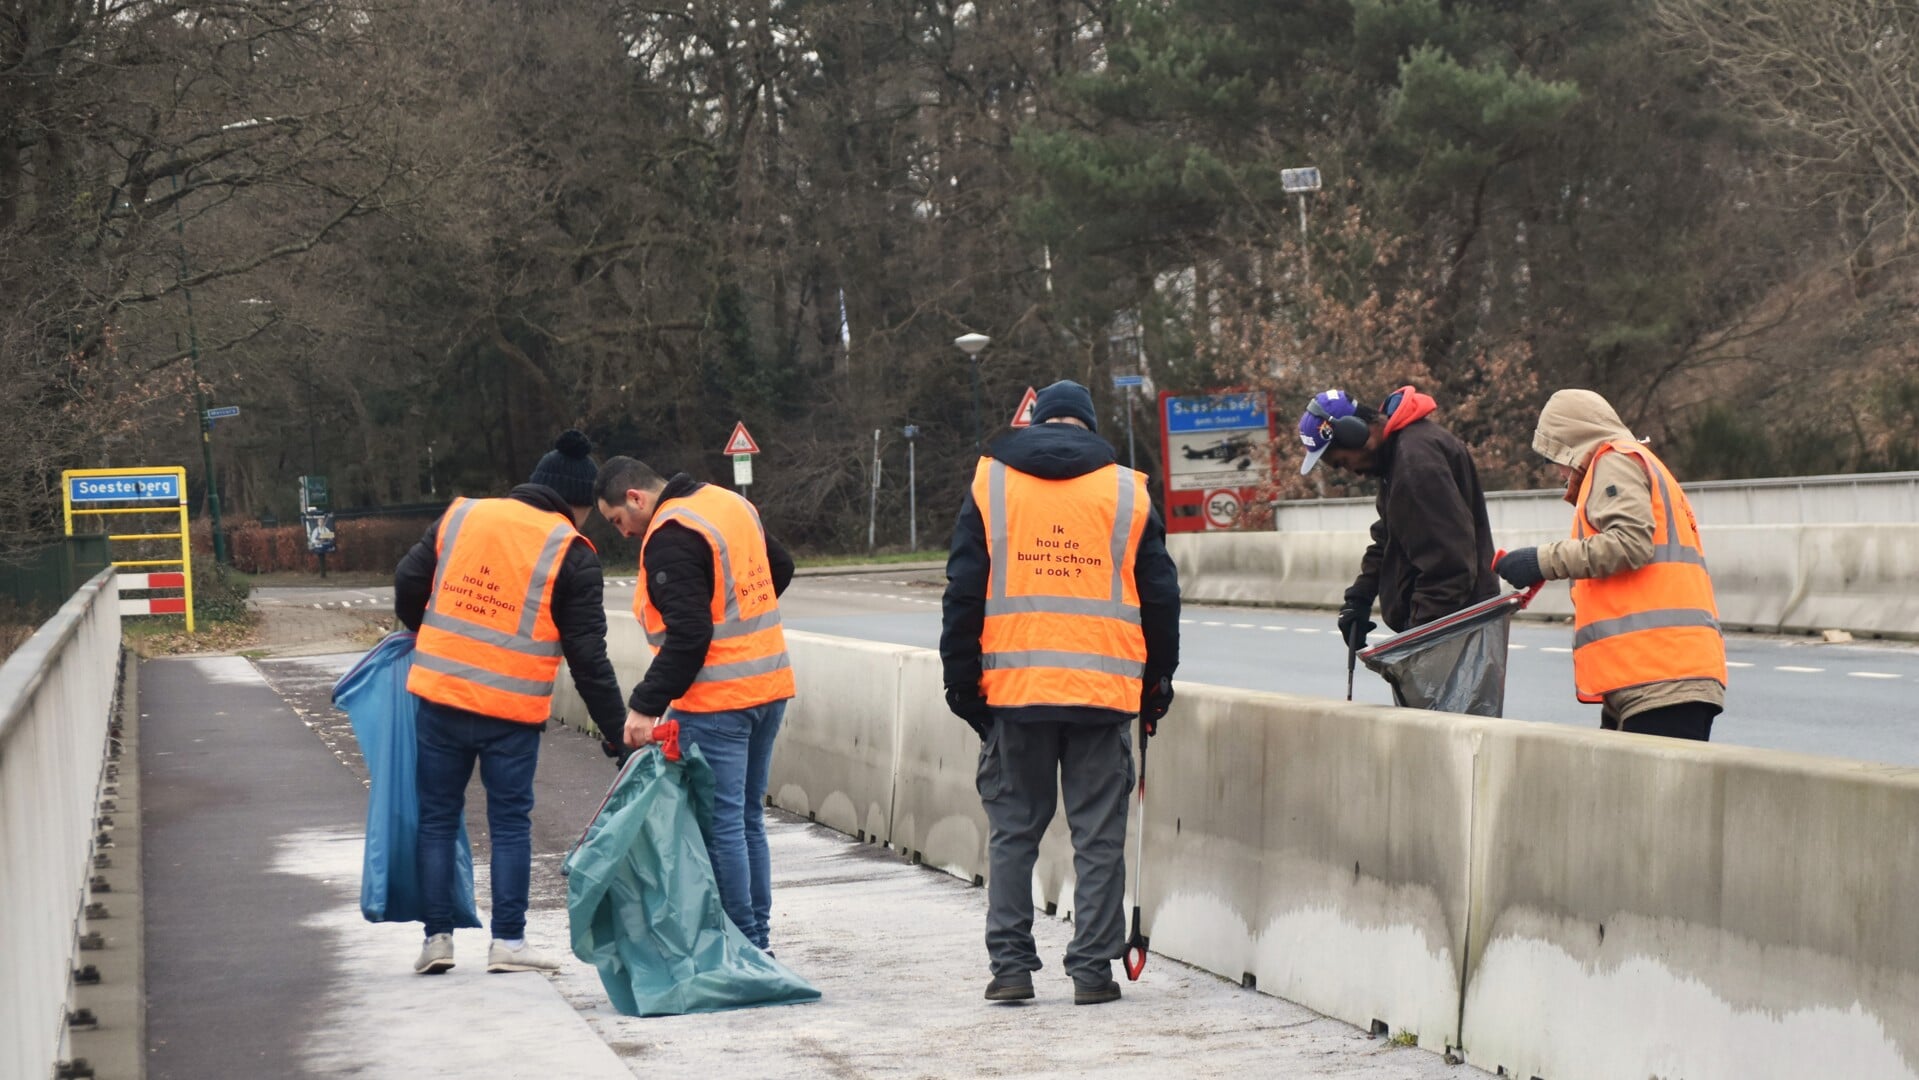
(912, 432)
(1302, 182)
(873, 504)
(971, 344)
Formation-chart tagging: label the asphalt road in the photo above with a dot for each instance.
(1854, 700)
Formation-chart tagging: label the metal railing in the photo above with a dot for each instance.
(1862, 498)
(56, 704)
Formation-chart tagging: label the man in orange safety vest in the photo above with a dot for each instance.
(1061, 623)
(708, 599)
(499, 591)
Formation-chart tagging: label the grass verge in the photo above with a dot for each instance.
(870, 560)
(166, 635)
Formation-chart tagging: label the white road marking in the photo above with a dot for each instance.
(1307, 630)
(1245, 626)
(1871, 675)
(1274, 628)
(1799, 670)
(1211, 623)
(1554, 648)
(1737, 663)
(1515, 647)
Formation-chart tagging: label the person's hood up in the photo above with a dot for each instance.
(1054, 451)
(1405, 406)
(1575, 423)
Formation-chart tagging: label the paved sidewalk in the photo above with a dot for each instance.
(261, 965)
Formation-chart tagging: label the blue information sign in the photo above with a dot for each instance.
(1123, 381)
(224, 412)
(1217, 412)
(155, 487)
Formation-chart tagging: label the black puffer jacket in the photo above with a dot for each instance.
(1432, 549)
(579, 609)
(1053, 452)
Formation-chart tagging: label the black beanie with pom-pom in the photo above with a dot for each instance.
(568, 469)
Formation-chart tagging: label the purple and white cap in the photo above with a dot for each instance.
(1316, 430)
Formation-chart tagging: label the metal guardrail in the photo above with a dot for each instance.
(56, 703)
(1861, 498)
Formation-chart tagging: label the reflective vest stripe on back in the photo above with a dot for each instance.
(1658, 623)
(488, 643)
(746, 664)
(1062, 610)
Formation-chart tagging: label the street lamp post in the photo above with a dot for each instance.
(971, 344)
(1302, 182)
(912, 432)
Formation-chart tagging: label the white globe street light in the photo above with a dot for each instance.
(971, 344)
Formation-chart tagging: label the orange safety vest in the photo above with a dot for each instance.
(746, 665)
(1062, 609)
(1658, 623)
(488, 643)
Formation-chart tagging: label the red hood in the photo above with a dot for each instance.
(1405, 406)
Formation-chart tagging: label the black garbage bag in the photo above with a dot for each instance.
(1456, 664)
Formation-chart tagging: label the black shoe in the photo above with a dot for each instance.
(1010, 988)
(1095, 995)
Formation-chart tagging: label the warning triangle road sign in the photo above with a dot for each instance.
(1023, 416)
(741, 441)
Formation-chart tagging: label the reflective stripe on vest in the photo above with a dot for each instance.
(1658, 623)
(487, 641)
(1062, 613)
(746, 663)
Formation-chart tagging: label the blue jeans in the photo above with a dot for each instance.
(739, 747)
(449, 741)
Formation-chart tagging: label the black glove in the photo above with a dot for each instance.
(1520, 568)
(1153, 703)
(1354, 625)
(967, 704)
(617, 751)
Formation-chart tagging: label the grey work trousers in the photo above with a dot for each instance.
(1023, 768)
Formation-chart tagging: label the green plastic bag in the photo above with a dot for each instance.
(645, 911)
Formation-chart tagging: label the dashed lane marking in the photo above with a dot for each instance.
(1211, 623)
(1737, 663)
(1245, 626)
(1799, 670)
(1871, 675)
(1554, 648)
(1307, 630)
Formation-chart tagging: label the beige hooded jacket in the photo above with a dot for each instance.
(1572, 426)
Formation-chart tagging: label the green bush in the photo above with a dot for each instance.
(219, 594)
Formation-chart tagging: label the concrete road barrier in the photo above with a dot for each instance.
(1770, 578)
(1318, 847)
(841, 734)
(626, 647)
(1559, 902)
(1643, 907)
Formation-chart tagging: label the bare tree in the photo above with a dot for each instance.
(1837, 80)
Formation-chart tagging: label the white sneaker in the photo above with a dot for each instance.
(437, 955)
(499, 958)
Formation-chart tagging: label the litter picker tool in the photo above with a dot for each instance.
(1135, 961)
(1352, 664)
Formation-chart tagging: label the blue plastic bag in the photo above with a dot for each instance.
(645, 911)
(375, 698)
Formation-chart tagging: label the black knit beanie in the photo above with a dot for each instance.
(1065, 398)
(568, 469)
